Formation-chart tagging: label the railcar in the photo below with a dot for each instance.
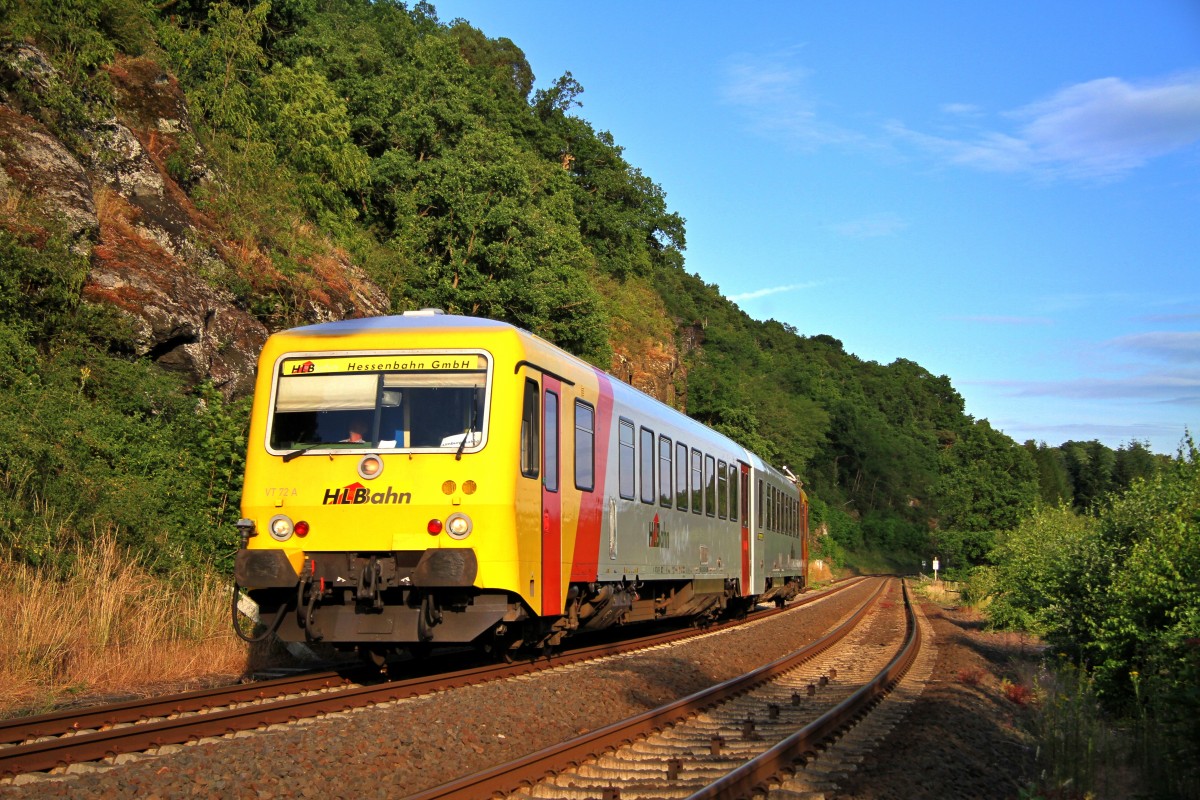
(426, 479)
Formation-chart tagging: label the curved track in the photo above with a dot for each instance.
(738, 739)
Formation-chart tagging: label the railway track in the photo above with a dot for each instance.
(747, 737)
(59, 742)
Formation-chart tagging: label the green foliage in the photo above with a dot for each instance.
(1047, 568)
(1120, 591)
(1084, 473)
(300, 112)
(986, 482)
(90, 441)
(220, 62)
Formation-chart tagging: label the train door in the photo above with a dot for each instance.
(744, 499)
(552, 603)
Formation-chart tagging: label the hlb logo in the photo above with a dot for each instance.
(304, 369)
(356, 494)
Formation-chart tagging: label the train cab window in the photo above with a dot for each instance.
(550, 443)
(626, 461)
(585, 446)
(665, 497)
(647, 464)
(681, 476)
(530, 428)
(722, 491)
(697, 482)
(710, 487)
(380, 401)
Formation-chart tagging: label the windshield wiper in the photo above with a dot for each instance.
(288, 456)
(470, 434)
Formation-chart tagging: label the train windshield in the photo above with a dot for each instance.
(409, 402)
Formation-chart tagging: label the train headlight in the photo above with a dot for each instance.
(458, 526)
(281, 527)
(370, 466)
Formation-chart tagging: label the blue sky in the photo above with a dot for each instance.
(1006, 193)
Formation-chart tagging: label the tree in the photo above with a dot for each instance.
(986, 482)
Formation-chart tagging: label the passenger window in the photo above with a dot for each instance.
(625, 460)
(647, 465)
(529, 431)
(697, 482)
(710, 487)
(733, 492)
(664, 472)
(722, 491)
(681, 473)
(585, 446)
(762, 510)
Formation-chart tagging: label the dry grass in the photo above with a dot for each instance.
(108, 626)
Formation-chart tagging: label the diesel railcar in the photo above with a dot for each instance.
(426, 479)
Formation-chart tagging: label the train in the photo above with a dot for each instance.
(425, 479)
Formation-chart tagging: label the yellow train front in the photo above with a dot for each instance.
(426, 479)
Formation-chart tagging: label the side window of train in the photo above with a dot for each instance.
(697, 482)
(681, 476)
(722, 491)
(551, 443)
(710, 487)
(530, 443)
(733, 492)
(585, 446)
(647, 464)
(759, 505)
(780, 524)
(625, 460)
(664, 472)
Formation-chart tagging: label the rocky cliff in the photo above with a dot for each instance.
(149, 246)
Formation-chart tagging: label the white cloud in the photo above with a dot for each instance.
(1178, 346)
(1098, 129)
(1169, 388)
(757, 293)
(773, 94)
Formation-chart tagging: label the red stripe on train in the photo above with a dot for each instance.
(585, 560)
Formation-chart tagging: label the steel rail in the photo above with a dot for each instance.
(754, 775)
(527, 770)
(21, 729)
(94, 745)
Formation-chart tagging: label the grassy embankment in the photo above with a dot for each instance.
(107, 626)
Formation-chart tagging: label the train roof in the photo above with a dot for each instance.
(408, 321)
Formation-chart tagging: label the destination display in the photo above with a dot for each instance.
(436, 362)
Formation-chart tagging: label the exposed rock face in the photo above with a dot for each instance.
(34, 163)
(653, 368)
(150, 247)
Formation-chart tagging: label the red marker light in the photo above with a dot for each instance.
(434, 527)
(301, 528)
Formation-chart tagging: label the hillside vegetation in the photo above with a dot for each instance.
(422, 152)
(328, 158)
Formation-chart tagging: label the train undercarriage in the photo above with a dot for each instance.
(381, 603)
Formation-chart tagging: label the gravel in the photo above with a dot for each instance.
(962, 738)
